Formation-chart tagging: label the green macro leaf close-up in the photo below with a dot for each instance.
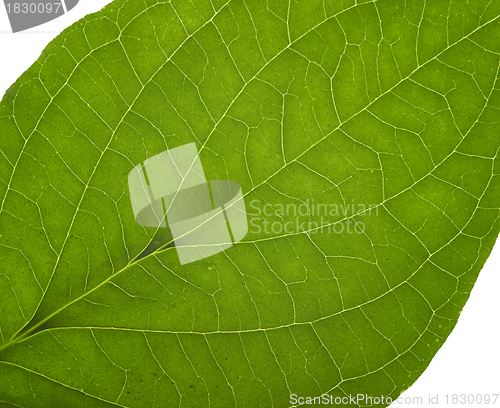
(365, 138)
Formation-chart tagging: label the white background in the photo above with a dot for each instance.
(469, 361)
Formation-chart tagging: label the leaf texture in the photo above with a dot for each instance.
(392, 105)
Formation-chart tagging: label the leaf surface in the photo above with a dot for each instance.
(386, 110)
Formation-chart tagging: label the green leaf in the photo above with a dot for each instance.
(386, 110)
